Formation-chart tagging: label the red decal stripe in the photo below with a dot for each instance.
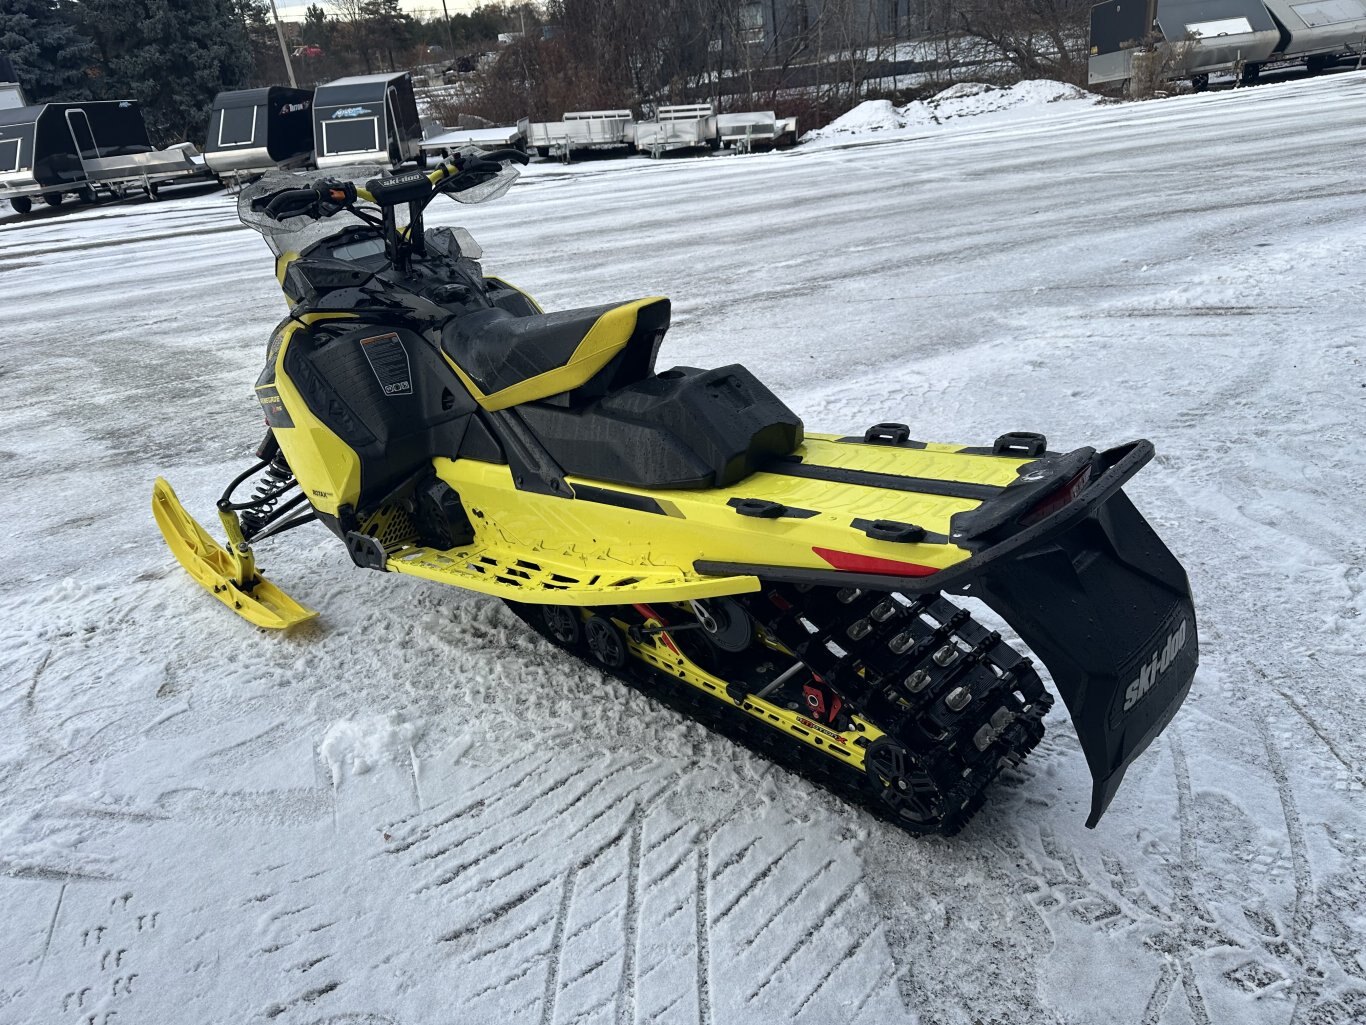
(869, 564)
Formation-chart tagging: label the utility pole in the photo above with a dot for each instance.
(450, 39)
(284, 50)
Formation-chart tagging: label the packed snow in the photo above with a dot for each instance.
(965, 100)
(186, 832)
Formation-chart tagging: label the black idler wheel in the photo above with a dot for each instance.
(725, 623)
(605, 642)
(562, 622)
(899, 781)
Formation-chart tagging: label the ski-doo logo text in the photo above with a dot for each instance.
(350, 112)
(1152, 670)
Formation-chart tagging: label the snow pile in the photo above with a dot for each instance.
(868, 116)
(355, 746)
(964, 100)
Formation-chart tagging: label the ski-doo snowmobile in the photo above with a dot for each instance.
(679, 529)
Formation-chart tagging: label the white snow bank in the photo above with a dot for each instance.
(355, 746)
(964, 100)
(868, 116)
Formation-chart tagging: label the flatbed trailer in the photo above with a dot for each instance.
(755, 129)
(582, 130)
(683, 126)
(498, 137)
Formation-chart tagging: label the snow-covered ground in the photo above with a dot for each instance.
(413, 812)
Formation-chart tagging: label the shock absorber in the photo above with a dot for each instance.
(276, 479)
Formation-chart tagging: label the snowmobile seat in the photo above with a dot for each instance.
(684, 428)
(507, 360)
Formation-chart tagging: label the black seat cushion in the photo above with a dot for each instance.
(498, 350)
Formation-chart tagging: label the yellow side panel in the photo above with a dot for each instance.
(696, 525)
(327, 468)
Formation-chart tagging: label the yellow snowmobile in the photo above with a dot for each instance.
(679, 529)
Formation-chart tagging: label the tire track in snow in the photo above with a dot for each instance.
(547, 822)
(1185, 886)
(823, 919)
(780, 906)
(847, 957)
(493, 914)
(527, 839)
(37, 675)
(1302, 917)
(421, 833)
(1319, 732)
(703, 928)
(756, 882)
(626, 987)
(1162, 991)
(47, 940)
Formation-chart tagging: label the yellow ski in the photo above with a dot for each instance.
(229, 575)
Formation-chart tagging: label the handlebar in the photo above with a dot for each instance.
(470, 160)
(325, 198)
(515, 155)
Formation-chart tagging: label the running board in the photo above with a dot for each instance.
(558, 581)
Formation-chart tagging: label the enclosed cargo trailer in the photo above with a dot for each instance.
(1197, 38)
(366, 119)
(252, 131)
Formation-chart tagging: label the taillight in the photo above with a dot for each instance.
(1056, 500)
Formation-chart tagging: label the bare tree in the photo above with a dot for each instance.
(1038, 38)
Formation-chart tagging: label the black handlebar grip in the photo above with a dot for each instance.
(515, 155)
(291, 203)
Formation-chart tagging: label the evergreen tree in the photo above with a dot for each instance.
(172, 56)
(392, 28)
(317, 27)
(49, 54)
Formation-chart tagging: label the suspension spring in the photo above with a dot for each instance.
(276, 479)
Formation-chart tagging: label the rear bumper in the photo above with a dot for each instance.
(1098, 598)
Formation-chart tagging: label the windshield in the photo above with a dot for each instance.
(296, 234)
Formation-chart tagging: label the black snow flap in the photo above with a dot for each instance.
(1106, 606)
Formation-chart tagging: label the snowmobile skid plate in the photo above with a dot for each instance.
(229, 576)
(1098, 598)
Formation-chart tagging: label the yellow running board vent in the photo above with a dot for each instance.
(509, 574)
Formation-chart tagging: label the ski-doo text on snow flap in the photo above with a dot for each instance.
(1150, 672)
